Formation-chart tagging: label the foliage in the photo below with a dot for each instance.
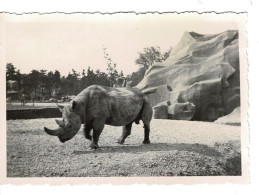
(150, 56)
(111, 68)
(146, 59)
(43, 84)
(12, 74)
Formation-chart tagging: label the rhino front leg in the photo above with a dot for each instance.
(125, 133)
(87, 129)
(98, 125)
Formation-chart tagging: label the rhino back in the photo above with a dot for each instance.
(119, 106)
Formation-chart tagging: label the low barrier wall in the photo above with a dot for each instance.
(33, 113)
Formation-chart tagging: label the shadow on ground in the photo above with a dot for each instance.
(197, 148)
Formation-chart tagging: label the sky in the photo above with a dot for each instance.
(64, 42)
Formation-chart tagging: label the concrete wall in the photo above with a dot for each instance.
(33, 113)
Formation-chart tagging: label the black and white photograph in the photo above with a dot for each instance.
(126, 95)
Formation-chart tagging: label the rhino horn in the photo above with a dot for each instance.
(60, 122)
(55, 132)
(60, 107)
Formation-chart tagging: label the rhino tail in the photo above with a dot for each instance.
(151, 90)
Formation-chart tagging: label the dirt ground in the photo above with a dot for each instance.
(178, 148)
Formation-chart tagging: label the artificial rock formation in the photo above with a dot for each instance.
(181, 111)
(202, 70)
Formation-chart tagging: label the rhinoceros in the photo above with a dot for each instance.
(97, 105)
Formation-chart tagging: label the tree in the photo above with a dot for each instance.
(50, 83)
(43, 78)
(13, 74)
(121, 74)
(111, 67)
(101, 78)
(19, 78)
(83, 80)
(72, 83)
(10, 72)
(150, 56)
(146, 59)
(75, 74)
(56, 78)
(33, 81)
(63, 86)
(76, 82)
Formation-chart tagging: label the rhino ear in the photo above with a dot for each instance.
(60, 107)
(60, 122)
(73, 105)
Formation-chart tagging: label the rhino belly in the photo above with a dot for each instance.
(123, 112)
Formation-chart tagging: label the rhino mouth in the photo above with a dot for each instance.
(65, 137)
(63, 140)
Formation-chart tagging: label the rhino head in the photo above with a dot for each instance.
(69, 126)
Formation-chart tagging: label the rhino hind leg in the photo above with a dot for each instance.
(146, 118)
(125, 133)
(98, 125)
(146, 134)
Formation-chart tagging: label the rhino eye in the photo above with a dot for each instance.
(70, 125)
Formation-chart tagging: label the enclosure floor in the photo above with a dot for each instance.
(177, 148)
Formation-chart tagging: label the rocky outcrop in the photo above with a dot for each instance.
(160, 112)
(202, 70)
(181, 111)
